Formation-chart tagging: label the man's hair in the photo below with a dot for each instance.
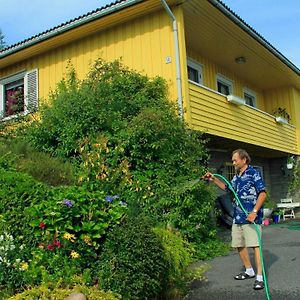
(243, 154)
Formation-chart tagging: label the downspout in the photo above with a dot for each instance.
(177, 58)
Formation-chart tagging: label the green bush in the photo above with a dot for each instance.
(18, 192)
(133, 261)
(17, 154)
(58, 293)
(179, 254)
(122, 128)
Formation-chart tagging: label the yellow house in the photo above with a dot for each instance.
(227, 79)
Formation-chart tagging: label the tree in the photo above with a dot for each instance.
(2, 42)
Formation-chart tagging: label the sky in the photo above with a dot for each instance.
(277, 21)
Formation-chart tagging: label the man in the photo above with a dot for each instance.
(250, 189)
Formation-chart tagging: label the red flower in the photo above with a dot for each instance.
(50, 247)
(42, 225)
(57, 243)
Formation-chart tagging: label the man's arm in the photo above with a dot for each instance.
(210, 177)
(259, 203)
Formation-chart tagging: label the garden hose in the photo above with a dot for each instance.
(257, 231)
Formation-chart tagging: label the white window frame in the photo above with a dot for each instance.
(226, 81)
(198, 67)
(251, 94)
(30, 91)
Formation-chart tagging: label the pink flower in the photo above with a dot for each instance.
(50, 247)
(42, 225)
(57, 243)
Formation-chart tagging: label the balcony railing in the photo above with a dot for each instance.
(211, 112)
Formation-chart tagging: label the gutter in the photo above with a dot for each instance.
(219, 5)
(71, 25)
(177, 58)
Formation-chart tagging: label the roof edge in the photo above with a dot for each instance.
(102, 11)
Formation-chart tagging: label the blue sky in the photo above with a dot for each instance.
(276, 20)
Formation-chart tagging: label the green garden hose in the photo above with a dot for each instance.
(257, 231)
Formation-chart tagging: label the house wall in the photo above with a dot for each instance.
(143, 44)
(212, 113)
(210, 71)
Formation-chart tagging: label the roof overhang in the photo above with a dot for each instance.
(217, 33)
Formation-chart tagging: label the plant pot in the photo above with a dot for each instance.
(276, 218)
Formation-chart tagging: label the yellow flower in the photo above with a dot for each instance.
(24, 266)
(74, 254)
(87, 240)
(70, 237)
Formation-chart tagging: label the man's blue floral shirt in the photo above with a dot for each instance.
(247, 186)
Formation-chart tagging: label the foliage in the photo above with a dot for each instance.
(18, 192)
(281, 112)
(211, 248)
(12, 261)
(17, 154)
(179, 254)
(46, 292)
(269, 203)
(294, 185)
(122, 129)
(133, 156)
(133, 262)
(2, 41)
(106, 101)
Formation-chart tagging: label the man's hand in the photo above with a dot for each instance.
(252, 216)
(208, 176)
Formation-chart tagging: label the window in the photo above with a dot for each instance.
(229, 171)
(260, 170)
(224, 85)
(250, 97)
(18, 94)
(194, 71)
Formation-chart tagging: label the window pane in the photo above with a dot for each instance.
(14, 97)
(193, 74)
(250, 100)
(223, 88)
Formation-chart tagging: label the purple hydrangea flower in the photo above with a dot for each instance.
(68, 202)
(109, 199)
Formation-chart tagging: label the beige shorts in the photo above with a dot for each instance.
(245, 235)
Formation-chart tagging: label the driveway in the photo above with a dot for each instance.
(281, 249)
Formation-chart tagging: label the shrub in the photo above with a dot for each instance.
(18, 191)
(179, 255)
(58, 293)
(17, 154)
(133, 261)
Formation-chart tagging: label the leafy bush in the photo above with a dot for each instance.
(109, 97)
(179, 255)
(58, 293)
(133, 261)
(122, 128)
(18, 191)
(17, 154)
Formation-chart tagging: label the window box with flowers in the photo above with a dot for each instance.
(282, 116)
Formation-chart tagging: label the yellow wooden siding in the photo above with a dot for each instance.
(210, 71)
(211, 113)
(143, 44)
(283, 98)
